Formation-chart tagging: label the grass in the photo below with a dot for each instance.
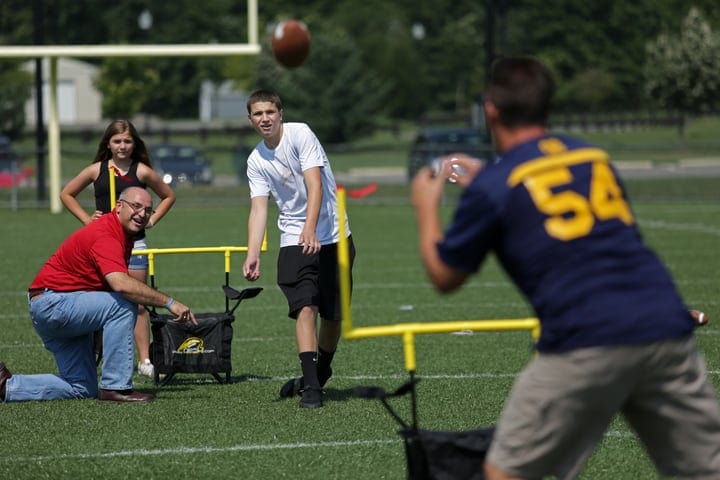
(199, 428)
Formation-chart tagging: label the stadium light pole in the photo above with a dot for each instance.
(145, 22)
(489, 37)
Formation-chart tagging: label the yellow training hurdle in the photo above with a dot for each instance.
(408, 330)
(227, 252)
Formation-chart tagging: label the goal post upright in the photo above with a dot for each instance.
(53, 52)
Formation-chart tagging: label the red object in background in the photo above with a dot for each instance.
(361, 192)
(21, 176)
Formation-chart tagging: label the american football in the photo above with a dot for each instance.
(700, 317)
(291, 43)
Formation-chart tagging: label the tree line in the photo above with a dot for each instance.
(373, 62)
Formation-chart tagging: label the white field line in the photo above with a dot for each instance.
(193, 450)
(229, 449)
(679, 227)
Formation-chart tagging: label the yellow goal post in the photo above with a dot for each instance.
(53, 52)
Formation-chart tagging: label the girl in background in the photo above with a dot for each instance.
(122, 149)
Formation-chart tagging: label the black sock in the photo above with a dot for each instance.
(309, 365)
(324, 371)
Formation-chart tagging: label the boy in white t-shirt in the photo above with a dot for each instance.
(290, 164)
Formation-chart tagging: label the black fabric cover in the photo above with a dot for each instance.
(446, 455)
(187, 348)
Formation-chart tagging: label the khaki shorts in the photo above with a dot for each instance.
(561, 406)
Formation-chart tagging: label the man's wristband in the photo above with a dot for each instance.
(169, 303)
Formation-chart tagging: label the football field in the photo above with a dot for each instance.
(200, 429)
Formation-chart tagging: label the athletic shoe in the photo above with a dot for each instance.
(324, 377)
(311, 397)
(146, 368)
(292, 387)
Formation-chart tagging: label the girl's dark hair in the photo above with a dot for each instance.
(140, 152)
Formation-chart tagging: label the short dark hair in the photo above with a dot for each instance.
(264, 96)
(522, 89)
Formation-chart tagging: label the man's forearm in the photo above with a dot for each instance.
(136, 291)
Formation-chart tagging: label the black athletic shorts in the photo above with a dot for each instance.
(312, 279)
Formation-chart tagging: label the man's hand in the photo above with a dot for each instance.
(460, 168)
(251, 268)
(182, 313)
(427, 190)
(309, 242)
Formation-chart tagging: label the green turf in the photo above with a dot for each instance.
(200, 429)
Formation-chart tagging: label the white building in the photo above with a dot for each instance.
(221, 102)
(79, 102)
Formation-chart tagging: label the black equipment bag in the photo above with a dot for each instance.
(187, 348)
(446, 455)
(202, 348)
(435, 454)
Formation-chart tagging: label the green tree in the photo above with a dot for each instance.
(591, 89)
(382, 33)
(14, 92)
(596, 49)
(126, 85)
(575, 38)
(682, 70)
(332, 91)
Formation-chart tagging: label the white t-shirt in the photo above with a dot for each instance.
(279, 172)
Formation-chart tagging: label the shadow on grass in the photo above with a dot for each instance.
(331, 395)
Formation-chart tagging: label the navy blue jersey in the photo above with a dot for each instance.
(556, 214)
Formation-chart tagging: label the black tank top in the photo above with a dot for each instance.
(102, 187)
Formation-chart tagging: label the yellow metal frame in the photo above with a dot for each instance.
(226, 250)
(408, 330)
(111, 176)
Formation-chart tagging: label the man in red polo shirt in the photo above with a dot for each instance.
(85, 287)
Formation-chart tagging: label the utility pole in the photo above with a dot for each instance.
(39, 98)
(489, 37)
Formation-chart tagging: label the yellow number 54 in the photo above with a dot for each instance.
(570, 214)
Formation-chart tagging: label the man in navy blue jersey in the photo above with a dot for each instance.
(616, 335)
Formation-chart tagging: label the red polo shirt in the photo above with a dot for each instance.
(86, 256)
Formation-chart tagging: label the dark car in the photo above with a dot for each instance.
(432, 143)
(181, 164)
(12, 171)
(7, 153)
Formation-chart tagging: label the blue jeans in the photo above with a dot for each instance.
(139, 262)
(66, 322)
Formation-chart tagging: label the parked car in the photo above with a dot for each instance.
(7, 152)
(432, 143)
(181, 164)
